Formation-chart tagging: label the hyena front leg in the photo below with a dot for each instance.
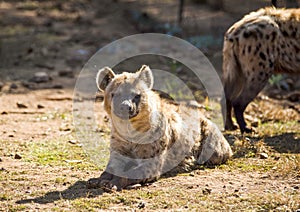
(122, 171)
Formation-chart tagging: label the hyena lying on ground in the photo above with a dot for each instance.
(262, 43)
(151, 135)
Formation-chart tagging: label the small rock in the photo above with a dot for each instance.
(263, 155)
(135, 186)
(29, 85)
(4, 113)
(72, 141)
(190, 187)
(114, 188)
(40, 77)
(44, 65)
(295, 187)
(106, 119)
(73, 161)
(254, 123)
(40, 106)
(141, 205)
(66, 73)
(21, 105)
(65, 129)
(206, 191)
(236, 195)
(1, 160)
(48, 23)
(13, 86)
(57, 86)
(276, 157)
(11, 136)
(265, 176)
(17, 156)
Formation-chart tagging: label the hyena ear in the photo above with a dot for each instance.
(146, 76)
(104, 77)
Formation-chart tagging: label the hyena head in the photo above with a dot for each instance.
(126, 96)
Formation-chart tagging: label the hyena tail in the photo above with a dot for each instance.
(233, 77)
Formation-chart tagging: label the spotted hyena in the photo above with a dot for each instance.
(151, 135)
(260, 44)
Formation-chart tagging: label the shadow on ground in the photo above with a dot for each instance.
(75, 191)
(283, 143)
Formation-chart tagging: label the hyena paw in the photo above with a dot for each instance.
(107, 185)
(246, 130)
(93, 183)
(230, 127)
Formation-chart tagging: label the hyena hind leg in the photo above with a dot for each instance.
(249, 92)
(227, 114)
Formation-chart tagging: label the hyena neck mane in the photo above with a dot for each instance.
(132, 104)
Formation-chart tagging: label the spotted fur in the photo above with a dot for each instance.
(260, 44)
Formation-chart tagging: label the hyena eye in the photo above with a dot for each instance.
(136, 99)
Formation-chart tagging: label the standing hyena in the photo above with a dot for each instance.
(151, 135)
(262, 43)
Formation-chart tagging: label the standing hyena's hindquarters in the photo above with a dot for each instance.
(248, 62)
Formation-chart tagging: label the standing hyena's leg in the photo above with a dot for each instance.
(253, 85)
(256, 53)
(226, 112)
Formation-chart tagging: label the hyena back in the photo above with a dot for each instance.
(151, 135)
(260, 44)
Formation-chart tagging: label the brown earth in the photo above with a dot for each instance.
(43, 166)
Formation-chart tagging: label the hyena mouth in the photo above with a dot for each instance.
(126, 112)
(126, 116)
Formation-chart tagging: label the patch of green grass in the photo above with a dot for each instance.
(58, 152)
(288, 165)
(13, 208)
(5, 197)
(28, 5)
(9, 148)
(8, 31)
(54, 115)
(105, 201)
(278, 128)
(275, 79)
(249, 164)
(84, 204)
(272, 201)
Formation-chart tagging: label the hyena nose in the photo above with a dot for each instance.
(126, 107)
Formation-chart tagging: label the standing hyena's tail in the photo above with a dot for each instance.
(233, 77)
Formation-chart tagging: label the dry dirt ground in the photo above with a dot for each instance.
(43, 165)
